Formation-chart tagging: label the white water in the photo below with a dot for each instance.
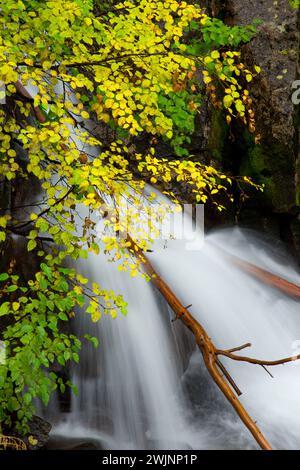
(134, 392)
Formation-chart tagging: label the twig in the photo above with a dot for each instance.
(43, 212)
(239, 348)
(268, 372)
(228, 377)
(98, 63)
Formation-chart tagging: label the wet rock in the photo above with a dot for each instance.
(39, 433)
(72, 443)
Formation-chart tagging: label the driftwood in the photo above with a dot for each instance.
(209, 352)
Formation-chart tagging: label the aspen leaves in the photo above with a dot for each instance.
(227, 69)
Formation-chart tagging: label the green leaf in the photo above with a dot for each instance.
(95, 341)
(92, 339)
(61, 360)
(31, 245)
(63, 316)
(45, 396)
(47, 270)
(12, 288)
(63, 285)
(4, 308)
(75, 358)
(13, 404)
(33, 234)
(27, 398)
(67, 355)
(43, 283)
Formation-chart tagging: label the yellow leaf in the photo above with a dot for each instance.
(228, 100)
(207, 80)
(215, 54)
(32, 440)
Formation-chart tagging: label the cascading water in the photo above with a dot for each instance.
(134, 392)
(236, 309)
(130, 397)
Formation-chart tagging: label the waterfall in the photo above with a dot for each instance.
(146, 386)
(235, 309)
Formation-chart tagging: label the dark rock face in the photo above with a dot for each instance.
(276, 161)
(275, 49)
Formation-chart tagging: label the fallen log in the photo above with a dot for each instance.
(210, 354)
(273, 280)
(279, 283)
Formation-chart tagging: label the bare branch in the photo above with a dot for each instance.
(239, 348)
(259, 362)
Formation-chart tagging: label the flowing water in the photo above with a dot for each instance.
(146, 386)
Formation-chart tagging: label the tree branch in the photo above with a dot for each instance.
(259, 362)
(239, 348)
(43, 212)
(98, 63)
